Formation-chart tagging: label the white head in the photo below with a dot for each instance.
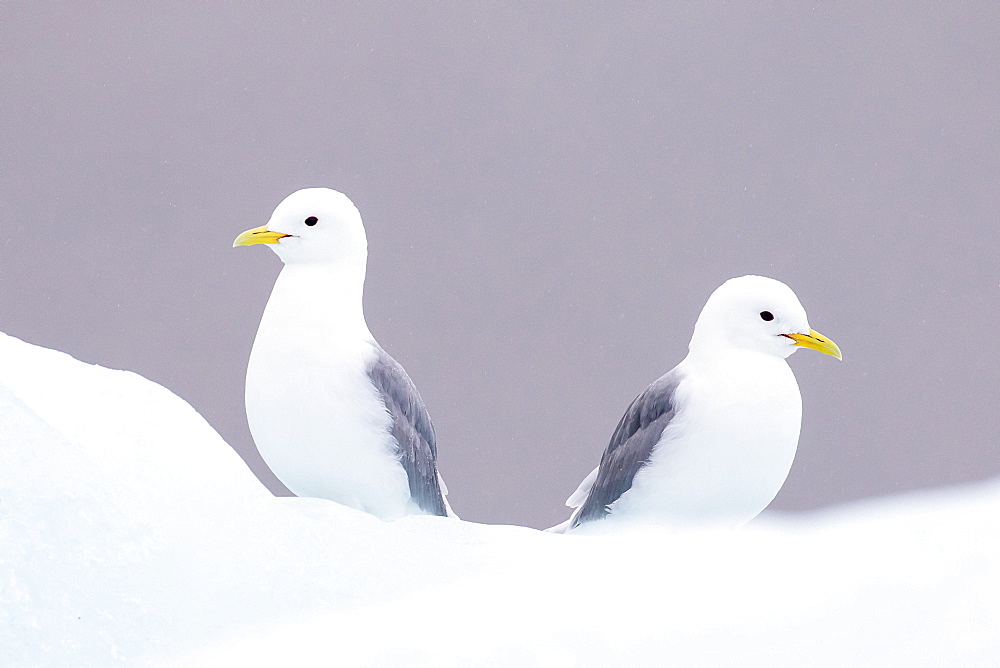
(310, 226)
(759, 314)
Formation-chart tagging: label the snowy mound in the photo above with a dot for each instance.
(131, 533)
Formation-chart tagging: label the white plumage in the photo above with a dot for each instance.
(331, 413)
(711, 441)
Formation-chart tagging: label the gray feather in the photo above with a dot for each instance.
(412, 429)
(631, 446)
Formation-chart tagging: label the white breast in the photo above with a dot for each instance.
(727, 452)
(316, 419)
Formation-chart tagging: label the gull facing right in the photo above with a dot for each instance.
(711, 441)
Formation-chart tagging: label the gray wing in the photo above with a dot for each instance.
(631, 446)
(412, 429)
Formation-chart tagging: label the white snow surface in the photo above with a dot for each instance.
(131, 533)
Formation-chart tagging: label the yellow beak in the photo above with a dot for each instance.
(259, 235)
(816, 341)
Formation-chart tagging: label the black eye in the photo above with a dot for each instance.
(311, 220)
(766, 316)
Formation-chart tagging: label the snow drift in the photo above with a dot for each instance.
(131, 533)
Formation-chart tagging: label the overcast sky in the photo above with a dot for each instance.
(550, 192)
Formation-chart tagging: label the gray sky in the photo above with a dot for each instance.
(550, 192)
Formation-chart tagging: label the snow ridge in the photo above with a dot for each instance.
(131, 533)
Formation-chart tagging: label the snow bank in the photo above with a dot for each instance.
(130, 532)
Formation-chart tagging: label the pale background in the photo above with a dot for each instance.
(551, 192)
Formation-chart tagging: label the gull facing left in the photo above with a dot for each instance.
(332, 414)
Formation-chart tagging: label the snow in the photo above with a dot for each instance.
(131, 533)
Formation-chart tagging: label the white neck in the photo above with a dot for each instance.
(320, 300)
